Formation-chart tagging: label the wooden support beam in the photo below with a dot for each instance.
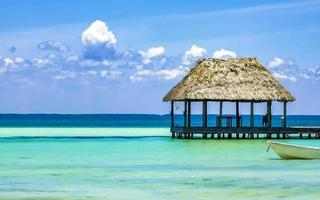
(251, 114)
(284, 122)
(189, 113)
(205, 114)
(220, 114)
(172, 113)
(237, 114)
(185, 114)
(269, 112)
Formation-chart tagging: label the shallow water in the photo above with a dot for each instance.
(144, 167)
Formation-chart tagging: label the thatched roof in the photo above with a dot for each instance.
(240, 79)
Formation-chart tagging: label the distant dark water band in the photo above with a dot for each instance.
(77, 137)
(132, 120)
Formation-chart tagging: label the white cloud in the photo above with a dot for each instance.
(72, 58)
(166, 74)
(98, 33)
(193, 53)
(151, 53)
(106, 63)
(276, 62)
(90, 63)
(53, 46)
(312, 73)
(94, 63)
(280, 75)
(89, 73)
(104, 73)
(18, 60)
(224, 54)
(305, 76)
(65, 75)
(8, 62)
(283, 68)
(40, 62)
(99, 42)
(112, 74)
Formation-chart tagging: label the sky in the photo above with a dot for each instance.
(123, 56)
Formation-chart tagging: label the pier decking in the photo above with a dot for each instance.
(181, 132)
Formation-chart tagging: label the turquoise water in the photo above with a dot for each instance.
(146, 167)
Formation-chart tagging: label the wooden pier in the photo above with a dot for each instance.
(181, 132)
(238, 81)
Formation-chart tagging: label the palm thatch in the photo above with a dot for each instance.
(240, 79)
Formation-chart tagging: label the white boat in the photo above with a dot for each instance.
(291, 151)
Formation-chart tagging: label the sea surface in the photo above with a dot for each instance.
(132, 157)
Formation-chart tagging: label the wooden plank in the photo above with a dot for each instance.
(185, 114)
(204, 113)
(172, 113)
(251, 114)
(284, 125)
(220, 114)
(269, 113)
(237, 114)
(189, 113)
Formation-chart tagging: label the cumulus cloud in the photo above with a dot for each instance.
(285, 69)
(99, 60)
(111, 74)
(19, 60)
(11, 64)
(103, 73)
(280, 75)
(72, 58)
(90, 63)
(65, 75)
(312, 73)
(224, 54)
(166, 74)
(89, 73)
(151, 53)
(98, 33)
(275, 62)
(52, 45)
(8, 62)
(99, 42)
(192, 54)
(279, 62)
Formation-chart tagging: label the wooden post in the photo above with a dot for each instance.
(172, 113)
(251, 114)
(204, 113)
(189, 113)
(269, 114)
(284, 122)
(220, 115)
(237, 114)
(185, 114)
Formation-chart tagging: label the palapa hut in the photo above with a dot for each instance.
(228, 80)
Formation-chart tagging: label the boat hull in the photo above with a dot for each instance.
(289, 151)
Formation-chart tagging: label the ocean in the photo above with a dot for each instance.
(133, 157)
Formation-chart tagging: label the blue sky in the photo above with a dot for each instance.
(123, 56)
